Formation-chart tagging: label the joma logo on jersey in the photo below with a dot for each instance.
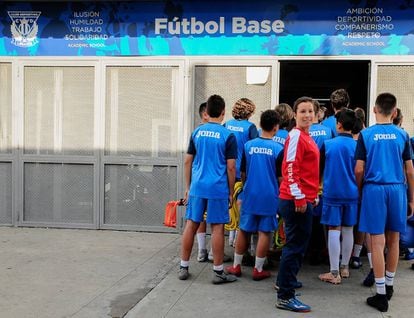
(210, 134)
(260, 150)
(317, 133)
(279, 140)
(384, 136)
(235, 128)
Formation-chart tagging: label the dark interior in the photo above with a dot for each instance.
(318, 79)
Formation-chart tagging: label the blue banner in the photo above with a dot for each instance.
(231, 27)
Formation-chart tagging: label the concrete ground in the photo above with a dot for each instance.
(86, 273)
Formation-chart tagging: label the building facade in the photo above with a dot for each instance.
(98, 99)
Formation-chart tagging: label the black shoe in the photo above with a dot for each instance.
(412, 266)
(355, 262)
(389, 290)
(378, 301)
(370, 279)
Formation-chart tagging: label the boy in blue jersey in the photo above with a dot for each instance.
(286, 116)
(382, 170)
(244, 130)
(259, 172)
(340, 204)
(241, 127)
(339, 99)
(201, 232)
(210, 169)
(317, 243)
(317, 131)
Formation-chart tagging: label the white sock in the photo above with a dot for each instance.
(380, 285)
(238, 258)
(184, 263)
(259, 263)
(369, 255)
(201, 241)
(357, 250)
(232, 235)
(389, 278)
(253, 244)
(334, 248)
(346, 245)
(219, 268)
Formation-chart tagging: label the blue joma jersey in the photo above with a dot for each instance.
(384, 148)
(320, 133)
(261, 189)
(339, 183)
(211, 145)
(244, 131)
(331, 123)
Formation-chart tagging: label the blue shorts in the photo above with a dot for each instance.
(339, 214)
(383, 208)
(217, 210)
(255, 222)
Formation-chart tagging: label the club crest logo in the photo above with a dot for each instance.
(24, 27)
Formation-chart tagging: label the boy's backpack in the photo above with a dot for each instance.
(170, 217)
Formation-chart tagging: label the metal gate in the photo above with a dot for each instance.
(90, 144)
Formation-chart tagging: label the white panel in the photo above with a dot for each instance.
(399, 80)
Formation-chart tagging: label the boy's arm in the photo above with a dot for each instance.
(359, 174)
(253, 133)
(279, 162)
(243, 168)
(231, 156)
(231, 177)
(322, 161)
(188, 163)
(409, 173)
(360, 158)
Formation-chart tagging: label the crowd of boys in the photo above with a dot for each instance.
(365, 178)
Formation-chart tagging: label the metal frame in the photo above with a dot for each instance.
(178, 99)
(22, 158)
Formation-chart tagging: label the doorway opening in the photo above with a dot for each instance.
(318, 79)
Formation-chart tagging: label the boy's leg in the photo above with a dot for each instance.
(378, 301)
(370, 278)
(358, 244)
(346, 249)
(217, 243)
(393, 245)
(188, 239)
(261, 252)
(186, 247)
(377, 252)
(201, 242)
(392, 239)
(334, 248)
(241, 247)
(263, 244)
